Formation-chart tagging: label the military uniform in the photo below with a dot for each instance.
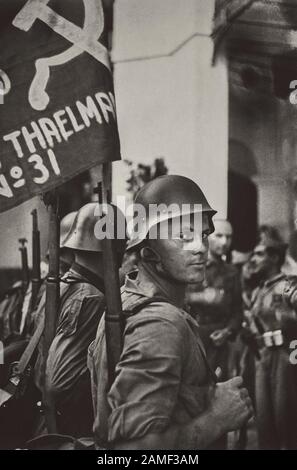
(275, 376)
(224, 310)
(67, 377)
(162, 377)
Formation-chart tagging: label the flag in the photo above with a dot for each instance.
(57, 105)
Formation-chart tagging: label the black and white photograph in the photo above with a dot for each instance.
(148, 229)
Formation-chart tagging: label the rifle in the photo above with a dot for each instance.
(36, 276)
(25, 269)
(113, 314)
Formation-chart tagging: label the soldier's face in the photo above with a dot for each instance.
(183, 255)
(220, 241)
(260, 262)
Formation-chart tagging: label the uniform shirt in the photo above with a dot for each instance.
(268, 306)
(275, 375)
(225, 310)
(162, 377)
(67, 377)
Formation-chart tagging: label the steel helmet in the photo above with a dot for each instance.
(167, 190)
(82, 235)
(65, 225)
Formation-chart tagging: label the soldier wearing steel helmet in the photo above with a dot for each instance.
(82, 304)
(66, 257)
(164, 395)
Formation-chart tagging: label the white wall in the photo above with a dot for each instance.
(171, 101)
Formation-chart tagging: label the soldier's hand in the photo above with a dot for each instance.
(230, 404)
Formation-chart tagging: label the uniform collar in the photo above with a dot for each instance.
(274, 279)
(77, 270)
(144, 286)
(141, 282)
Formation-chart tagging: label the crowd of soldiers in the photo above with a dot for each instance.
(206, 342)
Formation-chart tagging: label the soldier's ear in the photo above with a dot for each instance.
(148, 254)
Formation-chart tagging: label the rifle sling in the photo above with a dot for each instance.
(33, 343)
(31, 347)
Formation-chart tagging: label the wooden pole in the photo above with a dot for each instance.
(113, 315)
(25, 269)
(36, 276)
(52, 304)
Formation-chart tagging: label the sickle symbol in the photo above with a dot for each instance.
(83, 39)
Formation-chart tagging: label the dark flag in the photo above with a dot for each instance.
(57, 107)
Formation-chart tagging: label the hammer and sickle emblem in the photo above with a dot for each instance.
(84, 39)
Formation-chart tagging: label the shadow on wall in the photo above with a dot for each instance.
(242, 196)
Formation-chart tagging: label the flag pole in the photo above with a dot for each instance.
(36, 276)
(52, 302)
(113, 314)
(25, 269)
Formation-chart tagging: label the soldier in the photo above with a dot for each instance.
(274, 322)
(17, 304)
(82, 304)
(164, 395)
(217, 302)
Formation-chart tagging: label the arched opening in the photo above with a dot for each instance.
(242, 196)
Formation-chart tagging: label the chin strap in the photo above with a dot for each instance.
(159, 277)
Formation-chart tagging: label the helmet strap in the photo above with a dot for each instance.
(149, 255)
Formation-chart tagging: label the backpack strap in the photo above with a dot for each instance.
(34, 341)
(145, 303)
(151, 300)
